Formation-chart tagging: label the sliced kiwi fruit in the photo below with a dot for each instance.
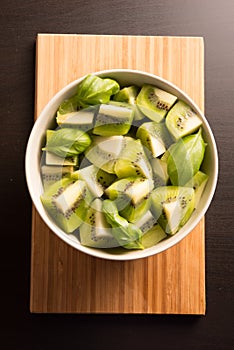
(95, 232)
(160, 174)
(181, 120)
(146, 222)
(130, 189)
(129, 94)
(155, 137)
(154, 102)
(198, 183)
(83, 119)
(113, 119)
(53, 159)
(104, 178)
(50, 174)
(89, 176)
(172, 206)
(66, 202)
(132, 160)
(152, 231)
(104, 151)
(153, 236)
(132, 212)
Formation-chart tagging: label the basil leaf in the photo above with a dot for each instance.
(69, 105)
(185, 158)
(95, 90)
(67, 142)
(127, 234)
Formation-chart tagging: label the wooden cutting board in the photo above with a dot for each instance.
(64, 280)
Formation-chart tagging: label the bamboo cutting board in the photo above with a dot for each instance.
(64, 280)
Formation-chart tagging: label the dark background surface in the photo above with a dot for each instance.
(20, 23)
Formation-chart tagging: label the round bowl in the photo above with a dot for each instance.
(46, 120)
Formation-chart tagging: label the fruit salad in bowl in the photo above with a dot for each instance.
(121, 164)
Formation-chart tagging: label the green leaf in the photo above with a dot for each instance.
(185, 158)
(95, 90)
(127, 234)
(67, 142)
(69, 105)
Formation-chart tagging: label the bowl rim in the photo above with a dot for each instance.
(98, 253)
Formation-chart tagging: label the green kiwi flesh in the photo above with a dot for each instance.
(113, 119)
(172, 206)
(104, 151)
(89, 176)
(153, 236)
(154, 102)
(181, 120)
(155, 137)
(70, 219)
(145, 222)
(160, 174)
(104, 178)
(95, 232)
(129, 94)
(50, 174)
(198, 183)
(130, 189)
(53, 159)
(132, 161)
(151, 230)
(132, 212)
(83, 119)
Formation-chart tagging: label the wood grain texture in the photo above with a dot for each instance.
(64, 280)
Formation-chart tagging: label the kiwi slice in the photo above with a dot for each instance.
(132, 160)
(129, 94)
(113, 119)
(153, 236)
(130, 189)
(132, 212)
(50, 174)
(181, 120)
(104, 151)
(146, 222)
(95, 232)
(53, 159)
(172, 206)
(89, 176)
(104, 178)
(154, 102)
(152, 231)
(66, 202)
(155, 137)
(198, 183)
(160, 174)
(83, 119)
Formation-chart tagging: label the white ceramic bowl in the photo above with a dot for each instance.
(37, 137)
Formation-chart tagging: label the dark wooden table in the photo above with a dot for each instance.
(20, 23)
